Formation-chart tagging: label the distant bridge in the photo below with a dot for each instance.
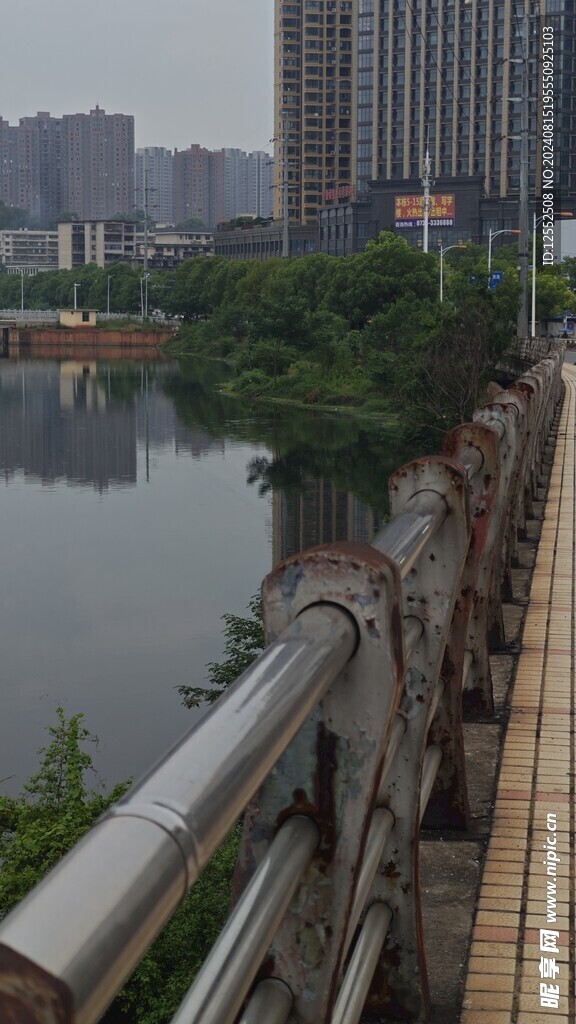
(335, 745)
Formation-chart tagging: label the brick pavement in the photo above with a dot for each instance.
(529, 873)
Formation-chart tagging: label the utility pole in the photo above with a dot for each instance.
(523, 217)
(426, 182)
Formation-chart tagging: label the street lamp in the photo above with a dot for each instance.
(108, 296)
(493, 234)
(442, 251)
(75, 302)
(21, 289)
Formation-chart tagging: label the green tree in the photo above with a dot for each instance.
(191, 224)
(54, 810)
(244, 642)
(553, 293)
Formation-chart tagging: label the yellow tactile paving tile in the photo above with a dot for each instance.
(516, 947)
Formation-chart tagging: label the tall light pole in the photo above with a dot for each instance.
(108, 295)
(493, 234)
(21, 289)
(75, 302)
(442, 251)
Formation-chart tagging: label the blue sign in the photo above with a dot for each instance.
(496, 278)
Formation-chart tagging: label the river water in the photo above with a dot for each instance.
(138, 505)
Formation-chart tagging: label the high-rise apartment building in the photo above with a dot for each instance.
(99, 164)
(158, 163)
(260, 184)
(31, 165)
(447, 77)
(192, 184)
(80, 163)
(219, 185)
(247, 183)
(314, 105)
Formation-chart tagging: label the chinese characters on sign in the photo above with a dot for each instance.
(342, 192)
(409, 211)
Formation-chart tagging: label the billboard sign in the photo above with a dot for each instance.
(342, 192)
(409, 211)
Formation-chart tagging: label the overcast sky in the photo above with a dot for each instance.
(188, 70)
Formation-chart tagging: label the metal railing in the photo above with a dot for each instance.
(50, 316)
(30, 316)
(335, 744)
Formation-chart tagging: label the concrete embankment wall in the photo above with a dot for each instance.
(51, 343)
(94, 337)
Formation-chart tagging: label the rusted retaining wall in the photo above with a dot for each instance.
(92, 336)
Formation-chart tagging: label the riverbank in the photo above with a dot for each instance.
(346, 389)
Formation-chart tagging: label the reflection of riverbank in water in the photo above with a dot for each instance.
(139, 506)
(93, 343)
(25, 350)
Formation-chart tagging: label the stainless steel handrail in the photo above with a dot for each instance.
(219, 990)
(111, 895)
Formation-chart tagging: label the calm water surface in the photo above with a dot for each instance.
(139, 505)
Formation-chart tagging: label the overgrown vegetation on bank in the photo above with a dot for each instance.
(56, 807)
(366, 331)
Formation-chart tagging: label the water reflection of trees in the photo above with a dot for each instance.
(356, 455)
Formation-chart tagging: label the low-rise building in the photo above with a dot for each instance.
(169, 248)
(78, 317)
(264, 241)
(101, 242)
(25, 251)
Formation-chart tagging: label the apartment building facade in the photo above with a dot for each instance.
(218, 185)
(77, 163)
(27, 252)
(447, 78)
(154, 175)
(100, 242)
(314, 105)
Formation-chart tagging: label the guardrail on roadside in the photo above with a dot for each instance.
(335, 744)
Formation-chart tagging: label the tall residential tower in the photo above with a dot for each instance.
(314, 105)
(447, 76)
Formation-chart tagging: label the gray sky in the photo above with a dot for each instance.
(188, 70)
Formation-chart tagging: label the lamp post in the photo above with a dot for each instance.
(442, 251)
(75, 302)
(493, 234)
(108, 296)
(21, 289)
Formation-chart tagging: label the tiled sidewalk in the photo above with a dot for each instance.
(517, 947)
